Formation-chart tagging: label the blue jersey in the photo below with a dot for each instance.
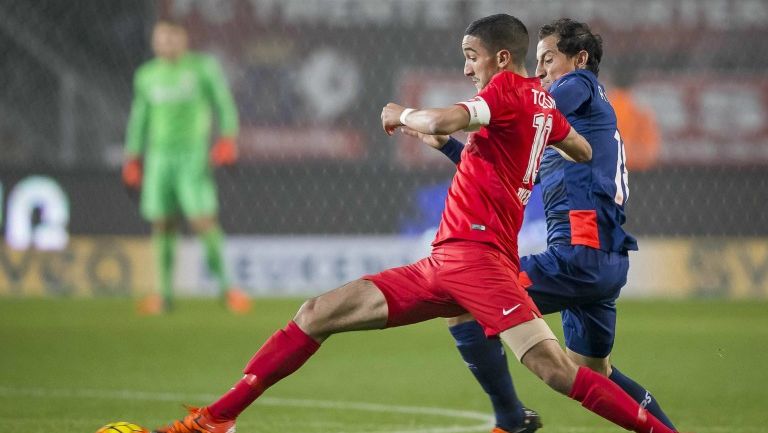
(584, 202)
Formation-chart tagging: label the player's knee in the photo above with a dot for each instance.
(559, 376)
(311, 319)
(306, 317)
(603, 368)
(598, 365)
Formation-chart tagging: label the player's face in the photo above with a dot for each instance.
(169, 41)
(551, 63)
(479, 64)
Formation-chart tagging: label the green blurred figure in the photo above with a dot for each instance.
(167, 155)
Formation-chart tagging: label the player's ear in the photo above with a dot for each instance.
(503, 58)
(580, 59)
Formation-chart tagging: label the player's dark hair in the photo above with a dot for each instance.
(501, 32)
(574, 37)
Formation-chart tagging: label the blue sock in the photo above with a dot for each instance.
(487, 361)
(640, 395)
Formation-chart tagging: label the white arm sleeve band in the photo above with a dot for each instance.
(405, 114)
(479, 113)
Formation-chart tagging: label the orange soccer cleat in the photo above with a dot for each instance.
(152, 305)
(199, 420)
(238, 301)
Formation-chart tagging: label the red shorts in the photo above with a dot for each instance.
(458, 277)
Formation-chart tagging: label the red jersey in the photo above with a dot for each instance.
(485, 203)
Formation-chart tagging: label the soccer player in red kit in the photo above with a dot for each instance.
(474, 264)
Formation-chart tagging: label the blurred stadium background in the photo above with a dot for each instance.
(321, 194)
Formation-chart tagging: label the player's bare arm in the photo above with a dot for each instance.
(574, 148)
(433, 121)
(434, 141)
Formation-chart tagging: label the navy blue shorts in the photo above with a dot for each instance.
(582, 283)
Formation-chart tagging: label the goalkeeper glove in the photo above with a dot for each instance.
(132, 172)
(224, 152)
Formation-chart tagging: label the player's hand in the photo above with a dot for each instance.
(390, 117)
(132, 172)
(224, 152)
(435, 141)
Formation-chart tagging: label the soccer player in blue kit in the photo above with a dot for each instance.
(585, 265)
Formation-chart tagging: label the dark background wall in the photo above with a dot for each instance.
(65, 89)
(355, 199)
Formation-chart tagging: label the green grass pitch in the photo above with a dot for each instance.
(73, 365)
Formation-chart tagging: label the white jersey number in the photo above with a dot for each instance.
(621, 180)
(543, 127)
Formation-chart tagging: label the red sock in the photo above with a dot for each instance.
(283, 353)
(603, 397)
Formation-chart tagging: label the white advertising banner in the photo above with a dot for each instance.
(735, 268)
(286, 265)
(309, 265)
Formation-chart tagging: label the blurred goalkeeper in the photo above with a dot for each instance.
(167, 155)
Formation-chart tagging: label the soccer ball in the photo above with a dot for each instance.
(122, 427)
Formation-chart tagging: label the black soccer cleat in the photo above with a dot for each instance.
(531, 423)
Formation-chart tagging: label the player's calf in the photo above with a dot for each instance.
(487, 361)
(548, 361)
(641, 395)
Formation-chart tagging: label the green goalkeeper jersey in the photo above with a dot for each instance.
(173, 103)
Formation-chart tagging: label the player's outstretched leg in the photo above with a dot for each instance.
(537, 348)
(487, 361)
(641, 395)
(356, 306)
